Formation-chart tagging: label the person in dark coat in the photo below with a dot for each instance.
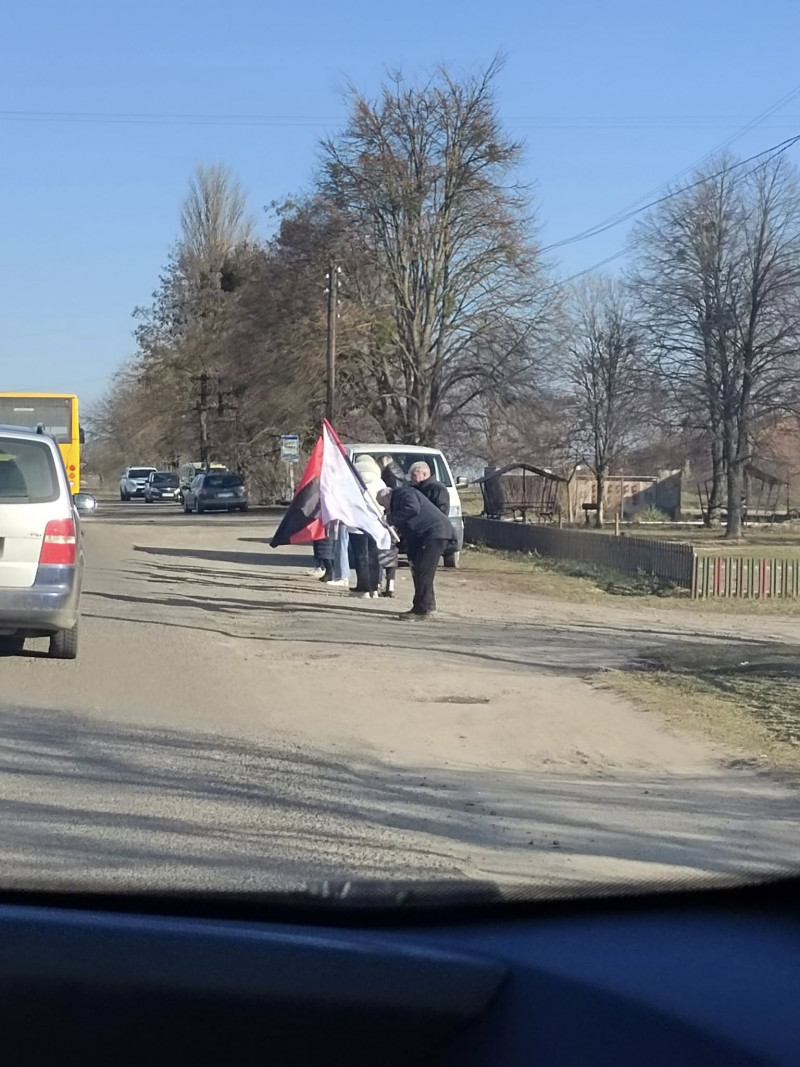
(422, 479)
(426, 533)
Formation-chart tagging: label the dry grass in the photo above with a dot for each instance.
(581, 583)
(744, 696)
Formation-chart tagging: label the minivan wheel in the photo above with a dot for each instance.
(64, 644)
(452, 560)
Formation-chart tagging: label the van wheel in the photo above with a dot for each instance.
(64, 644)
(452, 560)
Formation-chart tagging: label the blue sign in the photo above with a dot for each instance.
(290, 448)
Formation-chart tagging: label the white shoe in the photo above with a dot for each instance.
(340, 583)
(318, 573)
(360, 595)
(375, 594)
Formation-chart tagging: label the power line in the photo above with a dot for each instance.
(543, 122)
(751, 124)
(777, 151)
(593, 231)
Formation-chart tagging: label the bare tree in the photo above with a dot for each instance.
(605, 370)
(449, 283)
(214, 222)
(717, 274)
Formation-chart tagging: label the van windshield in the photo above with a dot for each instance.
(406, 459)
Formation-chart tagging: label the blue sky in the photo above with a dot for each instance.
(612, 97)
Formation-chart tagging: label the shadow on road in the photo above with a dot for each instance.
(279, 559)
(132, 805)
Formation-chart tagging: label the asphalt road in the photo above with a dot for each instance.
(232, 724)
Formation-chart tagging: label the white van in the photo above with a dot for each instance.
(404, 456)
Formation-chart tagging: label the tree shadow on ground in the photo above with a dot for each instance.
(128, 806)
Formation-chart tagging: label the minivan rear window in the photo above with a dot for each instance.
(27, 472)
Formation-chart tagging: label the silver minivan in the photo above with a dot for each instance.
(41, 556)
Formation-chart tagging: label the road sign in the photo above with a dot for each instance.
(290, 448)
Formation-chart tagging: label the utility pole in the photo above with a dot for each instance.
(333, 311)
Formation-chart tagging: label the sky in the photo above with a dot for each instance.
(612, 98)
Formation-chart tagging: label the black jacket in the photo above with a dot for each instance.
(437, 494)
(416, 519)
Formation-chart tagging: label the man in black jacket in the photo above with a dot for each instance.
(434, 490)
(426, 533)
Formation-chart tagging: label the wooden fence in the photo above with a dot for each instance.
(671, 560)
(745, 576)
(705, 575)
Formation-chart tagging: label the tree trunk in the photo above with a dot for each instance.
(733, 528)
(600, 478)
(713, 516)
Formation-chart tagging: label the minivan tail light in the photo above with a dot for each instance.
(60, 544)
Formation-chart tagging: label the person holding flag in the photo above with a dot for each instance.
(330, 491)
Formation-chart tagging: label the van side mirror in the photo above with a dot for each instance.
(461, 482)
(85, 503)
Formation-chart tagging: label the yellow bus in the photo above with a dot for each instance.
(57, 414)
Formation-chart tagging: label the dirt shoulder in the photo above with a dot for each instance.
(728, 671)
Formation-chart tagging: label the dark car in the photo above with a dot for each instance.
(215, 491)
(162, 485)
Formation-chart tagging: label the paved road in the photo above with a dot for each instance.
(230, 723)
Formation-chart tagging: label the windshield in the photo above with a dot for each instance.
(407, 459)
(552, 251)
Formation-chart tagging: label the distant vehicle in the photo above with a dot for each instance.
(57, 414)
(216, 490)
(162, 485)
(133, 481)
(41, 556)
(405, 456)
(189, 471)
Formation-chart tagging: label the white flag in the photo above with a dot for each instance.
(342, 496)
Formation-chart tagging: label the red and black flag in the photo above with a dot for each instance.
(330, 490)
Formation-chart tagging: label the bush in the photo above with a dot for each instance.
(651, 514)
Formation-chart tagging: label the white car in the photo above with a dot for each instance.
(41, 562)
(405, 455)
(133, 481)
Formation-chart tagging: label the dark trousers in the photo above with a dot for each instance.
(424, 559)
(364, 556)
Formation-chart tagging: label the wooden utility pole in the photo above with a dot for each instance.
(333, 309)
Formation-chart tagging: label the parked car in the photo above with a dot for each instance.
(41, 561)
(133, 481)
(405, 456)
(189, 471)
(162, 485)
(216, 490)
